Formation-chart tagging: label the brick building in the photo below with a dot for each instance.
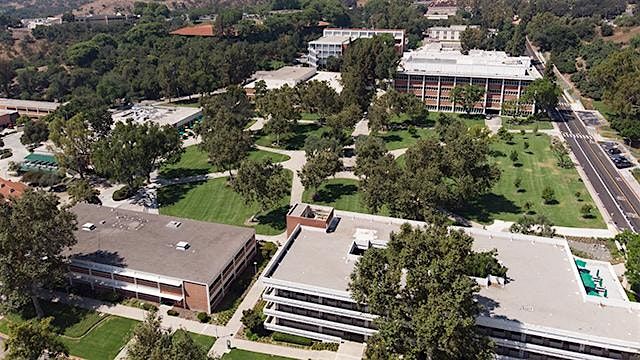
(168, 260)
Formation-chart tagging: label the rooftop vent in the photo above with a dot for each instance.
(182, 246)
(174, 224)
(88, 227)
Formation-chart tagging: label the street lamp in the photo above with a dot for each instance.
(255, 267)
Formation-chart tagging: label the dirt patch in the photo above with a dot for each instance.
(596, 250)
(623, 35)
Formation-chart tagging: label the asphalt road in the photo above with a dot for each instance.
(618, 198)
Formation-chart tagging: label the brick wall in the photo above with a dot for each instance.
(196, 296)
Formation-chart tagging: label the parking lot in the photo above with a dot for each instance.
(615, 155)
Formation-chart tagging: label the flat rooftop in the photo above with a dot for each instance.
(332, 39)
(16, 103)
(161, 115)
(544, 288)
(144, 242)
(289, 75)
(333, 79)
(434, 60)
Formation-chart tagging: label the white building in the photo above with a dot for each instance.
(431, 72)
(543, 310)
(176, 116)
(448, 36)
(31, 108)
(334, 41)
(32, 23)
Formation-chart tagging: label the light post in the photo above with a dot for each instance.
(255, 267)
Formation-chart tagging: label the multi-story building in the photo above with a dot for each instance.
(551, 306)
(334, 41)
(447, 33)
(168, 260)
(431, 73)
(33, 109)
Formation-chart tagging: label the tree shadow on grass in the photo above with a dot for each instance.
(300, 134)
(487, 206)
(391, 138)
(332, 192)
(275, 218)
(174, 173)
(172, 194)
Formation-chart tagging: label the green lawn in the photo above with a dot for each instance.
(399, 139)
(342, 194)
(215, 201)
(237, 354)
(87, 334)
(104, 341)
(205, 342)
(309, 116)
(542, 125)
(537, 170)
(194, 161)
(294, 141)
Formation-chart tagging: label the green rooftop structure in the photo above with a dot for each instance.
(39, 162)
(592, 285)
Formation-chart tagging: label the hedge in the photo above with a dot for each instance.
(123, 193)
(292, 339)
(172, 312)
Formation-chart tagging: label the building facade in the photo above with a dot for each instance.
(431, 73)
(541, 312)
(166, 260)
(33, 109)
(334, 41)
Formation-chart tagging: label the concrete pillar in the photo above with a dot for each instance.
(423, 86)
(486, 95)
(439, 93)
(501, 97)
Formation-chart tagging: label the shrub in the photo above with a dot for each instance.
(253, 321)
(108, 296)
(331, 346)
(483, 264)
(41, 178)
(517, 182)
(124, 193)
(203, 317)
(172, 312)
(548, 195)
(148, 306)
(291, 339)
(586, 210)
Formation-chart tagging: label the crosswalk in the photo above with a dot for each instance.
(577, 136)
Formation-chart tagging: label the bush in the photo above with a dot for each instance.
(483, 264)
(291, 339)
(203, 317)
(172, 312)
(148, 307)
(124, 193)
(253, 321)
(41, 178)
(548, 195)
(331, 346)
(108, 296)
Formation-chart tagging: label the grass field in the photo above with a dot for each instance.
(399, 139)
(542, 125)
(342, 194)
(537, 170)
(293, 142)
(237, 354)
(194, 161)
(215, 201)
(104, 341)
(87, 334)
(205, 342)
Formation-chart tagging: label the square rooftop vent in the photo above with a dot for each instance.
(174, 224)
(88, 227)
(182, 246)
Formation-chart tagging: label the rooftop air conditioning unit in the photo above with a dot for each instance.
(182, 246)
(88, 227)
(174, 224)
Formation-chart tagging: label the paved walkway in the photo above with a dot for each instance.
(494, 124)
(503, 226)
(295, 163)
(362, 128)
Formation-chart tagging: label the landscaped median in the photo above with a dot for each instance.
(86, 333)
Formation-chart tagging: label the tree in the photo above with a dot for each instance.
(150, 341)
(425, 301)
(132, 151)
(34, 339)
(253, 321)
(183, 347)
(473, 38)
(233, 102)
(369, 149)
(525, 145)
(606, 29)
(74, 140)
(34, 232)
(533, 225)
(544, 92)
(35, 131)
(343, 121)
(513, 156)
(7, 73)
(318, 97)
(467, 96)
(280, 107)
(586, 210)
(261, 182)
(227, 145)
(82, 191)
(548, 195)
(379, 187)
(505, 135)
(319, 167)
(631, 242)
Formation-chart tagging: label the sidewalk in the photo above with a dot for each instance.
(503, 226)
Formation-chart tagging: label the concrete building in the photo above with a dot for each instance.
(431, 72)
(33, 23)
(448, 36)
(176, 116)
(168, 260)
(8, 118)
(275, 79)
(31, 108)
(334, 41)
(543, 310)
(440, 12)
